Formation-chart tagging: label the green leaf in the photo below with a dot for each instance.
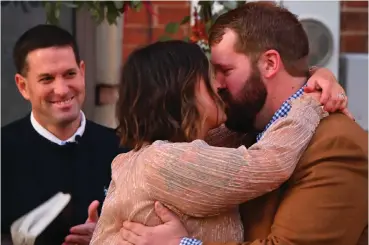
(229, 5)
(70, 4)
(52, 13)
(119, 4)
(97, 14)
(90, 4)
(111, 18)
(138, 6)
(208, 25)
(102, 12)
(57, 10)
(164, 38)
(172, 27)
(79, 4)
(185, 20)
(186, 39)
(97, 10)
(112, 13)
(206, 10)
(240, 3)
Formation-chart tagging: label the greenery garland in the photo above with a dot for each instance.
(204, 15)
(99, 10)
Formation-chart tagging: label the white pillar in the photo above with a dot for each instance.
(108, 66)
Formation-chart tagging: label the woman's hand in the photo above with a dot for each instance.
(170, 232)
(333, 96)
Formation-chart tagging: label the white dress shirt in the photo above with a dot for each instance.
(45, 133)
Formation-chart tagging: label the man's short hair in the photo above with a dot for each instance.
(261, 26)
(38, 37)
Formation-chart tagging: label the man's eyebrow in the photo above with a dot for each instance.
(221, 66)
(44, 75)
(50, 75)
(70, 70)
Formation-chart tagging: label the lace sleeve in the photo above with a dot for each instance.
(202, 180)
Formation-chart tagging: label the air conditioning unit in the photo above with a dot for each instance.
(321, 21)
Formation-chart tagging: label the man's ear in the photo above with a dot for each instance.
(269, 63)
(82, 68)
(22, 85)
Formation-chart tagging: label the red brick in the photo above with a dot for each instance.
(354, 21)
(354, 43)
(173, 3)
(140, 17)
(136, 35)
(140, 35)
(158, 32)
(168, 14)
(355, 4)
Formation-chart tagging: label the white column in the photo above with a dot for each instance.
(85, 33)
(108, 65)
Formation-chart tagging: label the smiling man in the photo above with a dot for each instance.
(54, 148)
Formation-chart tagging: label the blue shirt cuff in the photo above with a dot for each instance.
(190, 241)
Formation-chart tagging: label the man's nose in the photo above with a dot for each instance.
(218, 84)
(61, 87)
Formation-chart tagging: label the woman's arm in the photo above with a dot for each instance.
(202, 180)
(224, 137)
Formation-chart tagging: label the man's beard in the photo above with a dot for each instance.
(242, 109)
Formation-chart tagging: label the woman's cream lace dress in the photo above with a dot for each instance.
(204, 184)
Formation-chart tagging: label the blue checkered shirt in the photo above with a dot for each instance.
(190, 241)
(282, 112)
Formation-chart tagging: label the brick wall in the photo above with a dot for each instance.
(354, 26)
(140, 29)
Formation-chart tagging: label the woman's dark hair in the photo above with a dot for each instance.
(157, 99)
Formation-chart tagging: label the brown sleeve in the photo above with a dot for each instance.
(326, 202)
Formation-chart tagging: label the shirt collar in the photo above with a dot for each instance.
(46, 134)
(282, 111)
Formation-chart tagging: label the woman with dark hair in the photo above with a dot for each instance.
(167, 106)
